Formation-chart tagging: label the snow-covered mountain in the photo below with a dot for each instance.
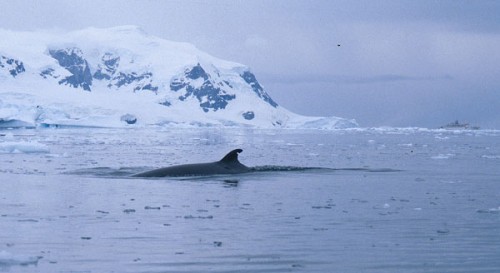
(124, 77)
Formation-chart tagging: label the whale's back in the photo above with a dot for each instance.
(229, 164)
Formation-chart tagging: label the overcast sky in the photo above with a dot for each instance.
(399, 63)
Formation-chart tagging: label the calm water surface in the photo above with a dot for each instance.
(383, 200)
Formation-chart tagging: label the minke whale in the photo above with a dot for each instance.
(229, 164)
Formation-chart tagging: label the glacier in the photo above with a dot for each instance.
(122, 77)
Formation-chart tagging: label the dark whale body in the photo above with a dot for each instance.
(229, 164)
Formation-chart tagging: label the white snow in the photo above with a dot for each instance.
(30, 100)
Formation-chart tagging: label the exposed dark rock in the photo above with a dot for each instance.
(165, 103)
(72, 60)
(108, 70)
(128, 118)
(257, 88)
(15, 67)
(126, 79)
(49, 72)
(210, 94)
(249, 115)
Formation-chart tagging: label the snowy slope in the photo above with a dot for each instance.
(124, 77)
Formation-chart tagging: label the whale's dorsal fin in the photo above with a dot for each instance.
(232, 156)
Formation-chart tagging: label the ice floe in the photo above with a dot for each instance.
(23, 147)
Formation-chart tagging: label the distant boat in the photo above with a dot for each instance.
(459, 126)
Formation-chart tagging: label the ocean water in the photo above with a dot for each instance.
(363, 200)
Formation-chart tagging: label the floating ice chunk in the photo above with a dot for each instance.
(491, 156)
(294, 144)
(492, 210)
(442, 156)
(406, 145)
(23, 147)
(383, 206)
(8, 259)
(441, 137)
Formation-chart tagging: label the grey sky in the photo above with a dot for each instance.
(399, 63)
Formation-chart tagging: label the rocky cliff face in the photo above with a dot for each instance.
(212, 92)
(72, 60)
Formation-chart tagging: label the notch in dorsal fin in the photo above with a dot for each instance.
(232, 156)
